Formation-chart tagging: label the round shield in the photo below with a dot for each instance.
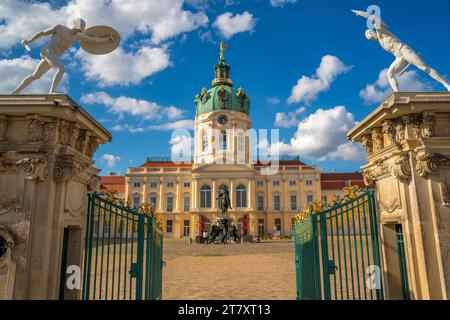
(103, 47)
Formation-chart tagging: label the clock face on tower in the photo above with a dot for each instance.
(222, 119)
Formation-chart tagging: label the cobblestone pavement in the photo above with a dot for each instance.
(250, 271)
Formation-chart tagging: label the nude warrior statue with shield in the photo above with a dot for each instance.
(405, 56)
(95, 40)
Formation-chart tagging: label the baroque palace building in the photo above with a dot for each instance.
(185, 194)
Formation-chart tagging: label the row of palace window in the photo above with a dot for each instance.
(154, 184)
(206, 199)
(186, 227)
(170, 184)
(261, 228)
(277, 183)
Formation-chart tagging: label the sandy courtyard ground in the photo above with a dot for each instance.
(250, 271)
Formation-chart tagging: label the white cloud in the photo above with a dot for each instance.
(126, 127)
(206, 36)
(110, 160)
(122, 105)
(322, 135)
(181, 145)
(20, 19)
(281, 3)
(160, 19)
(229, 24)
(186, 124)
(180, 124)
(273, 100)
(380, 89)
(124, 68)
(14, 70)
(155, 20)
(288, 120)
(308, 88)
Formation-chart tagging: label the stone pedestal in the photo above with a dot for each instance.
(408, 143)
(46, 169)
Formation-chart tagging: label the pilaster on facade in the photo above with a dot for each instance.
(214, 194)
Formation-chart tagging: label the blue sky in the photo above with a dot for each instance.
(169, 48)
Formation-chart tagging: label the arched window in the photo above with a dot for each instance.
(169, 202)
(153, 199)
(223, 141)
(241, 196)
(240, 142)
(205, 196)
(136, 201)
(222, 187)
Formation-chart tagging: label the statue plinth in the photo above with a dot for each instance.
(46, 169)
(408, 143)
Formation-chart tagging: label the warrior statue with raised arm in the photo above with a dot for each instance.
(224, 201)
(404, 54)
(62, 38)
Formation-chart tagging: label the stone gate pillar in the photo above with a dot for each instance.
(46, 169)
(408, 143)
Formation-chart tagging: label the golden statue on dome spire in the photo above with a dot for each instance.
(223, 47)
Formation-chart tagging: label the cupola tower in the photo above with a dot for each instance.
(222, 119)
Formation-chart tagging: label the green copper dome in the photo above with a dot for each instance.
(222, 95)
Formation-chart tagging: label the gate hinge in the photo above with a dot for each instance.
(133, 270)
(332, 267)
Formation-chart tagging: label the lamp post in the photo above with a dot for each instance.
(259, 228)
(240, 231)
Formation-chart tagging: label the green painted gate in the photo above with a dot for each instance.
(337, 253)
(123, 252)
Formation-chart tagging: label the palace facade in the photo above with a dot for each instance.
(185, 194)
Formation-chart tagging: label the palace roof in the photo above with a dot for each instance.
(334, 180)
(166, 164)
(113, 182)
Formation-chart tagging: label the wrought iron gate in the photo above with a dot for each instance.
(123, 252)
(337, 250)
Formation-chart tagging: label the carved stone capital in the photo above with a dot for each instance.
(65, 168)
(94, 182)
(400, 130)
(366, 141)
(388, 128)
(49, 132)
(414, 122)
(431, 162)
(31, 169)
(92, 146)
(64, 132)
(427, 127)
(35, 130)
(74, 133)
(82, 142)
(401, 168)
(377, 139)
